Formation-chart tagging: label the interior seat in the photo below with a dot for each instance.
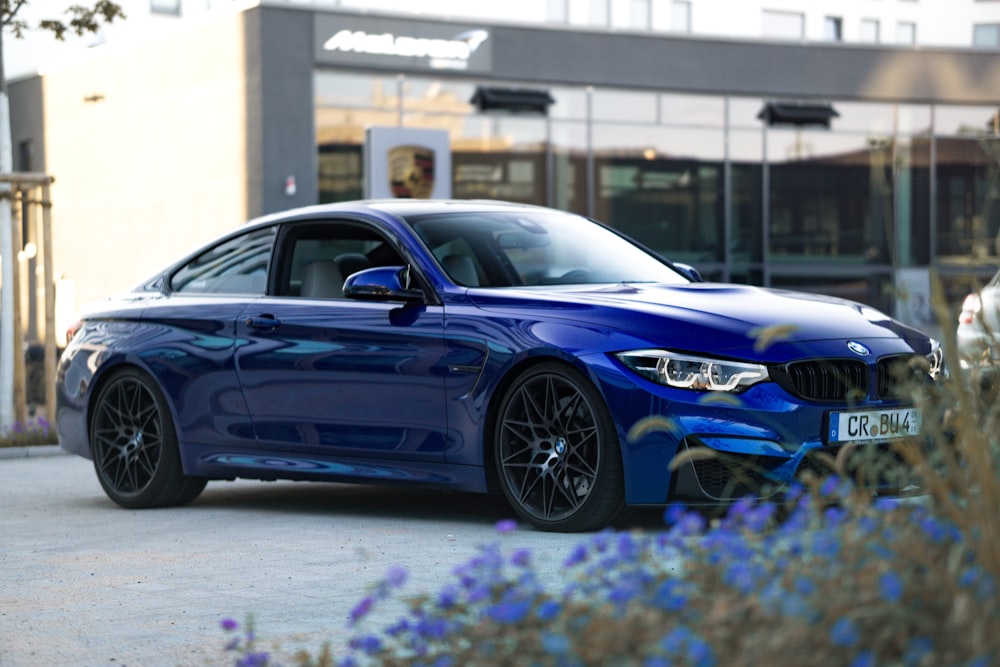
(322, 279)
(352, 262)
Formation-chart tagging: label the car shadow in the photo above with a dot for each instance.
(379, 502)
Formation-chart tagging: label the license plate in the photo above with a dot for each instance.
(874, 425)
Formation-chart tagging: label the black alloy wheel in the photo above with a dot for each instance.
(556, 452)
(134, 443)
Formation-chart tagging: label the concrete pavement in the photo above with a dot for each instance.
(84, 582)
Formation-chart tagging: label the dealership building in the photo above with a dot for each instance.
(856, 170)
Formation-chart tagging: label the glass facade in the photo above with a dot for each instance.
(841, 210)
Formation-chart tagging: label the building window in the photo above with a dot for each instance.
(26, 155)
(165, 7)
(557, 11)
(906, 32)
(833, 29)
(589, 12)
(640, 14)
(782, 25)
(869, 31)
(986, 35)
(680, 16)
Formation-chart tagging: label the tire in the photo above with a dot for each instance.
(556, 453)
(134, 443)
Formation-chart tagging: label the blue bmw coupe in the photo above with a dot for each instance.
(475, 346)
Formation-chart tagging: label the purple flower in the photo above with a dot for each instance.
(886, 504)
(361, 609)
(829, 487)
(577, 556)
(691, 524)
(699, 653)
(397, 576)
(826, 544)
(509, 612)
(891, 587)
(254, 659)
(548, 610)
(844, 633)
(506, 526)
(627, 547)
(742, 576)
(864, 659)
(521, 558)
(675, 640)
(369, 644)
(432, 629)
(398, 628)
(674, 513)
(760, 517)
(669, 596)
(447, 598)
(835, 516)
(229, 625)
(804, 585)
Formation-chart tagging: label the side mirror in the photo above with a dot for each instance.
(382, 283)
(689, 271)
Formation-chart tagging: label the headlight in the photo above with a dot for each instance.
(696, 373)
(935, 361)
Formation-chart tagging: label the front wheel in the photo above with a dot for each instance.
(556, 452)
(134, 442)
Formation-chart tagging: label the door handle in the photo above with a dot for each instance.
(262, 322)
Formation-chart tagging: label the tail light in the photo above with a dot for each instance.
(72, 329)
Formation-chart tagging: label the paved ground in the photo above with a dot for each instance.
(84, 582)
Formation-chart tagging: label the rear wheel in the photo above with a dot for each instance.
(556, 452)
(134, 443)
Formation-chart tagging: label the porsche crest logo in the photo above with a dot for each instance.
(411, 172)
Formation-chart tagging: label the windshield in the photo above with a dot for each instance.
(507, 248)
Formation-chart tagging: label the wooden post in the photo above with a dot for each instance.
(50, 308)
(22, 183)
(20, 402)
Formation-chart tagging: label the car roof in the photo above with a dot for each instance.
(396, 207)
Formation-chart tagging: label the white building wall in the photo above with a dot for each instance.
(947, 23)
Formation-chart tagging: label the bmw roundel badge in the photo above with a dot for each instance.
(857, 348)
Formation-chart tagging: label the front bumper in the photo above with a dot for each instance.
(753, 443)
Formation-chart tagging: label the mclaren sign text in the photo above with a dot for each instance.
(417, 47)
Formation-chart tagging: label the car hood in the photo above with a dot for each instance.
(750, 322)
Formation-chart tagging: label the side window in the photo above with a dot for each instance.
(237, 266)
(318, 258)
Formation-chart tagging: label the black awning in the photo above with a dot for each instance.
(523, 100)
(798, 113)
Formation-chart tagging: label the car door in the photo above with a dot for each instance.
(328, 375)
(189, 333)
